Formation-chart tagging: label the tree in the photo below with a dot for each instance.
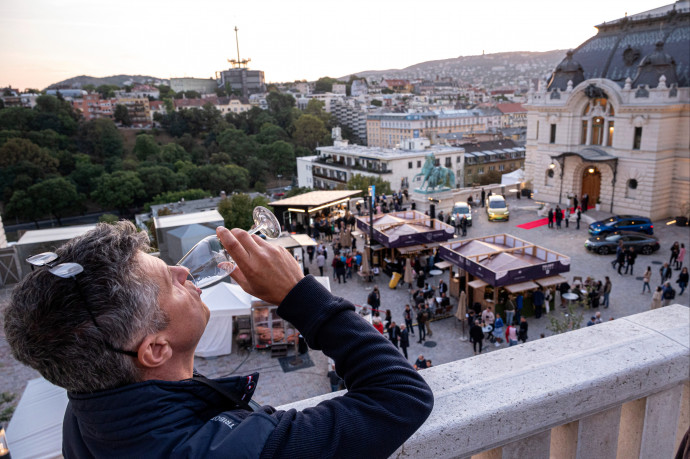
(171, 153)
(281, 106)
(16, 151)
(309, 132)
(85, 172)
(100, 139)
(160, 179)
(324, 84)
(119, 190)
(57, 196)
(281, 157)
(107, 91)
(315, 107)
(237, 210)
(175, 196)
(237, 144)
(146, 148)
(121, 115)
(270, 133)
(297, 191)
(22, 205)
(218, 178)
(376, 103)
(362, 182)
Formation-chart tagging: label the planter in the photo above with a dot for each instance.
(681, 221)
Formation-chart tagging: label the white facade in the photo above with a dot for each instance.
(335, 165)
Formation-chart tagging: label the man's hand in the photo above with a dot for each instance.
(263, 270)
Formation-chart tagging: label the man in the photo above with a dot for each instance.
(442, 287)
(422, 317)
(607, 291)
(538, 301)
(463, 225)
(592, 321)
(549, 218)
(420, 363)
(483, 197)
(120, 336)
(404, 339)
(668, 293)
(374, 300)
(427, 314)
(522, 334)
(630, 260)
(407, 314)
(320, 262)
(394, 333)
(579, 217)
(558, 216)
(519, 302)
(488, 316)
(476, 337)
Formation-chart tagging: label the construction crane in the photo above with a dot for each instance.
(238, 63)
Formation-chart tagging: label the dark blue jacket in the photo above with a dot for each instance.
(188, 419)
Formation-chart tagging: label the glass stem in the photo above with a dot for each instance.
(255, 229)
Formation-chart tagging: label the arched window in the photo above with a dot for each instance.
(597, 123)
(549, 177)
(631, 188)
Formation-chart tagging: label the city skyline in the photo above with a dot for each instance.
(45, 42)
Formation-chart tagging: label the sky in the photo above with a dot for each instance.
(46, 41)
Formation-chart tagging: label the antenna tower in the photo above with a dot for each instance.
(238, 63)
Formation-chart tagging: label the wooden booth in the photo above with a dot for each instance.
(499, 265)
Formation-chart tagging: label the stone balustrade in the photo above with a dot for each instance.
(617, 389)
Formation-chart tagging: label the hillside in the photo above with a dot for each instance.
(117, 80)
(490, 70)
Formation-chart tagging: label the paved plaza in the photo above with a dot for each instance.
(448, 342)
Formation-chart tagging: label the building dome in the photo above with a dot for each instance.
(568, 70)
(655, 65)
(628, 48)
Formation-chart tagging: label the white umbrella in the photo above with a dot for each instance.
(365, 270)
(409, 275)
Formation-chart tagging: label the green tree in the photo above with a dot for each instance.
(107, 91)
(324, 84)
(362, 183)
(237, 144)
(121, 115)
(175, 196)
(309, 132)
(16, 151)
(85, 172)
(108, 218)
(315, 107)
(160, 179)
(270, 133)
(376, 103)
(281, 157)
(146, 148)
(101, 140)
(237, 210)
(172, 152)
(120, 190)
(281, 106)
(297, 191)
(57, 196)
(22, 205)
(218, 178)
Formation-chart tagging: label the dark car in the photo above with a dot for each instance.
(607, 243)
(622, 223)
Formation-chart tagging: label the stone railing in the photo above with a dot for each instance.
(618, 389)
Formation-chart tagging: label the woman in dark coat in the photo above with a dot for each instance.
(476, 337)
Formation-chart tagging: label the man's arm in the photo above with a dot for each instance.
(384, 392)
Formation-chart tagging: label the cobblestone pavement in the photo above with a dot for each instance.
(277, 387)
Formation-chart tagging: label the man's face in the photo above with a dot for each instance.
(180, 300)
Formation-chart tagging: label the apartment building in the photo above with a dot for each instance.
(352, 113)
(335, 165)
(497, 155)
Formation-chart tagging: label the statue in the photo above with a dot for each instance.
(434, 178)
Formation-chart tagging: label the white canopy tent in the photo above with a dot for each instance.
(36, 427)
(225, 301)
(513, 178)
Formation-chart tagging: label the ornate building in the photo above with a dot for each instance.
(613, 122)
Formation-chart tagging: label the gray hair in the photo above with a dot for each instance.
(47, 322)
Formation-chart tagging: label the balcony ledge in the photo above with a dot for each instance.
(522, 392)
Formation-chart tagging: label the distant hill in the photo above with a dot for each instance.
(117, 80)
(491, 70)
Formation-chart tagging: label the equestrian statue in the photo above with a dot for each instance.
(434, 178)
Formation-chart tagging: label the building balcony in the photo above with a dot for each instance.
(617, 389)
(351, 167)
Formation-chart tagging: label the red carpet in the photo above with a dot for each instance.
(534, 224)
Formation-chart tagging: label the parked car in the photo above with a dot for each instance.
(497, 208)
(622, 223)
(461, 208)
(607, 243)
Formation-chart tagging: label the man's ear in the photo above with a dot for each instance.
(154, 351)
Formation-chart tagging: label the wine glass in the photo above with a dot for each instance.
(208, 262)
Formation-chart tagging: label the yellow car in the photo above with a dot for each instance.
(496, 208)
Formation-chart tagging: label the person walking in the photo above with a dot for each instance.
(427, 323)
(620, 257)
(463, 225)
(476, 337)
(394, 334)
(559, 217)
(509, 309)
(675, 251)
(607, 291)
(522, 333)
(483, 197)
(630, 260)
(665, 272)
(682, 280)
(567, 216)
(656, 298)
(422, 317)
(579, 217)
(646, 278)
(550, 218)
(404, 339)
(538, 301)
(681, 257)
(407, 314)
(374, 300)
(320, 262)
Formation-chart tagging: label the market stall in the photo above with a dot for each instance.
(502, 264)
